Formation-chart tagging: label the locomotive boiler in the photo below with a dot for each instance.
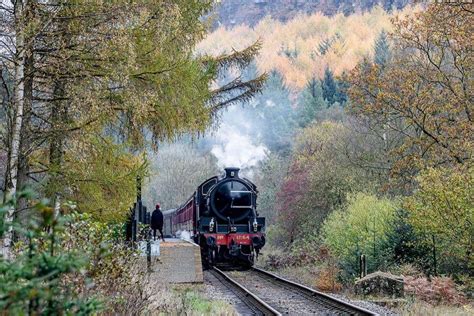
(222, 218)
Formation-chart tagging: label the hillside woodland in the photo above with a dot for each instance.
(380, 162)
(306, 45)
(249, 12)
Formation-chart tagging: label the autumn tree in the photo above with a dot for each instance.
(425, 93)
(442, 211)
(321, 175)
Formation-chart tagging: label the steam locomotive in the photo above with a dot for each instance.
(222, 219)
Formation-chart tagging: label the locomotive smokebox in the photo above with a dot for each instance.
(232, 172)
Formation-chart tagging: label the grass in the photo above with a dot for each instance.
(194, 302)
(422, 308)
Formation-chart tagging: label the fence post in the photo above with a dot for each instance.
(362, 266)
(148, 251)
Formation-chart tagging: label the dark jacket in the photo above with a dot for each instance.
(156, 219)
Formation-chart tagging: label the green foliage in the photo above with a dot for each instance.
(273, 172)
(382, 52)
(273, 109)
(101, 177)
(33, 282)
(310, 102)
(404, 245)
(361, 227)
(329, 86)
(442, 210)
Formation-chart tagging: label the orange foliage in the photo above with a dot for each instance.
(355, 34)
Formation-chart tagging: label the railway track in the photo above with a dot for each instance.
(269, 294)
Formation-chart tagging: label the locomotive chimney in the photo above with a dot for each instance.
(232, 172)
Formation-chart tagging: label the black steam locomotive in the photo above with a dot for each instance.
(222, 218)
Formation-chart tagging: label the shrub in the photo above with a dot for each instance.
(327, 279)
(360, 228)
(440, 290)
(34, 281)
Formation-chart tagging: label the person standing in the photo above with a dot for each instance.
(157, 222)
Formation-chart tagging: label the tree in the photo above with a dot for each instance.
(310, 102)
(329, 86)
(175, 172)
(424, 94)
(442, 211)
(273, 171)
(343, 85)
(320, 177)
(274, 111)
(360, 228)
(405, 245)
(382, 53)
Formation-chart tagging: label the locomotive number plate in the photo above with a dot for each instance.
(242, 237)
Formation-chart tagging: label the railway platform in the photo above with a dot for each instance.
(174, 261)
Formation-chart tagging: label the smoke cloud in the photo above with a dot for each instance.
(235, 148)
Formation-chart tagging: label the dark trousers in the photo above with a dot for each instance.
(161, 233)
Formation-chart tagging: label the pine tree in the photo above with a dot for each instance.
(274, 110)
(342, 88)
(310, 102)
(329, 86)
(382, 53)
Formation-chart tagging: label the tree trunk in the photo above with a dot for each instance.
(18, 103)
(25, 137)
(58, 119)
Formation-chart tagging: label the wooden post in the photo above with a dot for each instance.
(362, 266)
(434, 256)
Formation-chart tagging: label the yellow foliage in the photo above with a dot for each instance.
(357, 34)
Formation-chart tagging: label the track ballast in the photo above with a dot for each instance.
(270, 294)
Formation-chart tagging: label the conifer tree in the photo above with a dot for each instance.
(342, 88)
(328, 84)
(382, 53)
(274, 108)
(310, 102)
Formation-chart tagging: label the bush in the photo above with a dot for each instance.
(440, 290)
(360, 228)
(34, 281)
(327, 279)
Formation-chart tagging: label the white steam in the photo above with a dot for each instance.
(234, 148)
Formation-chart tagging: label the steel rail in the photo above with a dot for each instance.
(327, 299)
(251, 298)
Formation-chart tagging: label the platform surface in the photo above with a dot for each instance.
(179, 261)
